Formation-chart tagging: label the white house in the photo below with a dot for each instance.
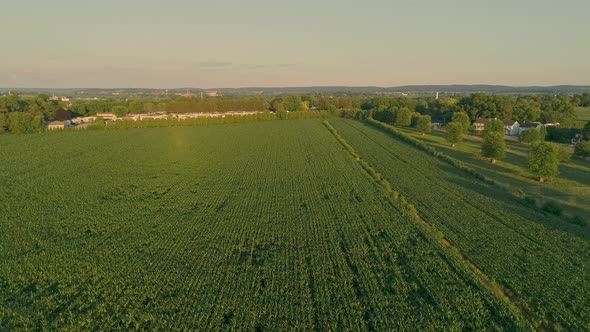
(83, 119)
(511, 128)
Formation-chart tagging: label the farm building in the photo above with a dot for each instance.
(56, 125)
(83, 119)
(511, 127)
(529, 125)
(107, 116)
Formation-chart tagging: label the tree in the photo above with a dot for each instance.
(385, 115)
(62, 115)
(564, 154)
(463, 119)
(560, 111)
(303, 106)
(543, 160)
(120, 111)
(20, 123)
(423, 124)
(454, 133)
(292, 103)
(586, 131)
(493, 146)
(530, 136)
(403, 117)
(527, 110)
(3, 122)
(37, 124)
(582, 149)
(277, 105)
(495, 126)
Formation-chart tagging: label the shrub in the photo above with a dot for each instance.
(530, 136)
(583, 149)
(553, 208)
(564, 154)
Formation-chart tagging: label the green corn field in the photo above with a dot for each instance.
(272, 225)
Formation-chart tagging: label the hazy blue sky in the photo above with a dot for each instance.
(232, 43)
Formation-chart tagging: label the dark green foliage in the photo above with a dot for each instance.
(24, 123)
(493, 146)
(385, 115)
(62, 115)
(463, 119)
(553, 208)
(120, 111)
(564, 154)
(530, 136)
(454, 133)
(582, 149)
(3, 122)
(423, 124)
(511, 242)
(586, 131)
(526, 110)
(562, 135)
(403, 117)
(254, 226)
(543, 160)
(494, 126)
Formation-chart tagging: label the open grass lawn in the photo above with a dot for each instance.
(583, 114)
(571, 187)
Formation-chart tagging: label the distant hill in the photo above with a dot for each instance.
(412, 89)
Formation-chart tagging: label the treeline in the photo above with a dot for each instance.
(19, 115)
(527, 108)
(174, 105)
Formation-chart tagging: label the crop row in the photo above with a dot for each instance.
(264, 225)
(540, 259)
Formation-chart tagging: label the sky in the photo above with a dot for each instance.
(264, 43)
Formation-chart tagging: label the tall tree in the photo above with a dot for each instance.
(493, 146)
(454, 133)
(62, 115)
(292, 103)
(586, 131)
(530, 136)
(543, 160)
(527, 110)
(403, 117)
(494, 126)
(423, 124)
(463, 119)
(3, 122)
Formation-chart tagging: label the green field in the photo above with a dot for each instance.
(268, 226)
(583, 114)
(571, 188)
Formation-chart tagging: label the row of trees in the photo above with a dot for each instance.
(21, 123)
(543, 158)
(529, 108)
